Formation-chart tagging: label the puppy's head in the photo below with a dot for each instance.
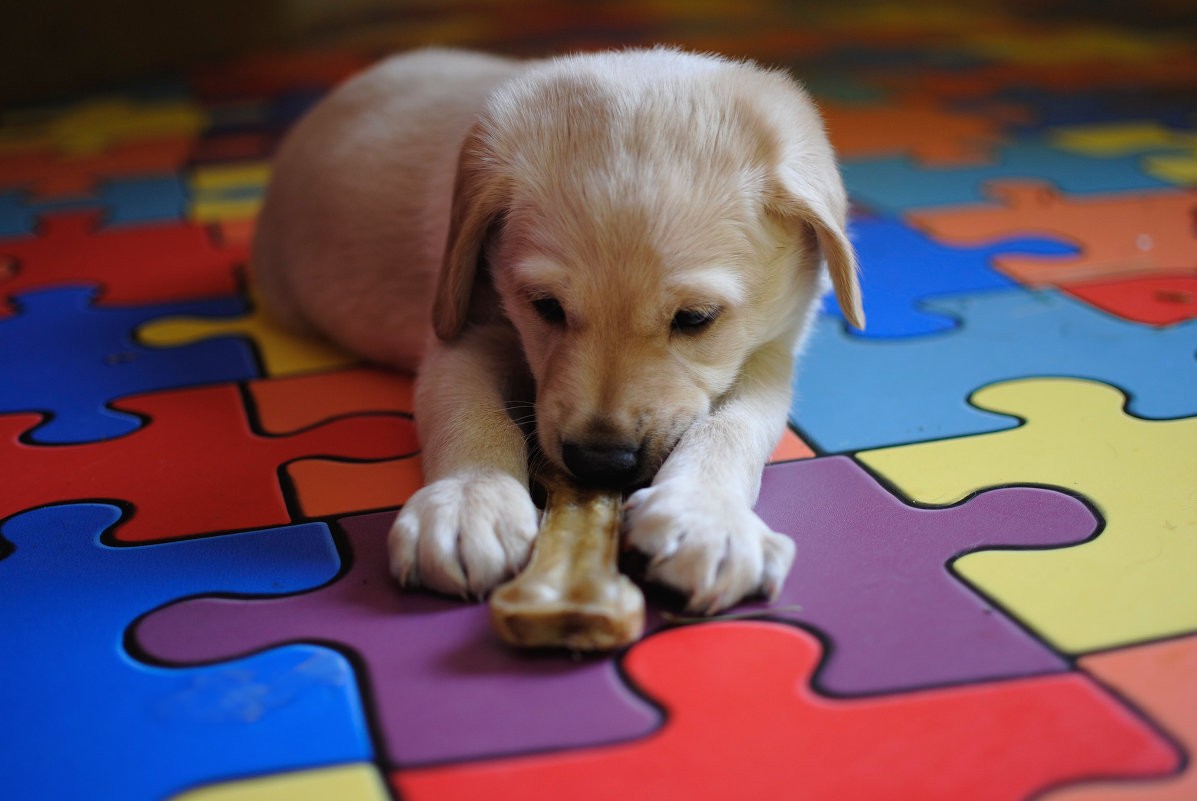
(650, 221)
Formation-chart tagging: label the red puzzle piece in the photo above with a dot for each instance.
(48, 174)
(324, 487)
(1159, 300)
(143, 264)
(197, 467)
(1128, 233)
(744, 723)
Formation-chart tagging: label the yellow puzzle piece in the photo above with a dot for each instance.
(280, 351)
(223, 192)
(95, 126)
(360, 782)
(1169, 154)
(1137, 580)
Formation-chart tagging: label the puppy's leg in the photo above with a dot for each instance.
(695, 521)
(472, 525)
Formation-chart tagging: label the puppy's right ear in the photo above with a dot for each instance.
(478, 200)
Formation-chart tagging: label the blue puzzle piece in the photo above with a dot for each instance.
(901, 266)
(1175, 107)
(87, 720)
(270, 115)
(855, 394)
(894, 185)
(126, 201)
(68, 358)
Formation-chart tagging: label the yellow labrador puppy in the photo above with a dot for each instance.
(608, 259)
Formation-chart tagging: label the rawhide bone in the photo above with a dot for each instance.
(571, 594)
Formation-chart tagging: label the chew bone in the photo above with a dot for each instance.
(571, 594)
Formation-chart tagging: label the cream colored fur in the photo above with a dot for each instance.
(423, 214)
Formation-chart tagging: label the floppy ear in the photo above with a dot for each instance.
(477, 203)
(813, 192)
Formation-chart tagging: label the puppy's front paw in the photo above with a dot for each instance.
(463, 535)
(712, 549)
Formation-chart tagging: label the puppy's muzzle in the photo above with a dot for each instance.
(603, 463)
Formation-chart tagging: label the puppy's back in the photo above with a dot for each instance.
(353, 228)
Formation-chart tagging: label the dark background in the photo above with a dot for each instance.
(50, 49)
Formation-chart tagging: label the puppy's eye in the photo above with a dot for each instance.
(695, 321)
(549, 309)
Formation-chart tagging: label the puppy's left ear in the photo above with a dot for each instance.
(478, 201)
(809, 188)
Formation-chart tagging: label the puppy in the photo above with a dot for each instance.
(607, 261)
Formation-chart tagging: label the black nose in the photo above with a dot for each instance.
(605, 464)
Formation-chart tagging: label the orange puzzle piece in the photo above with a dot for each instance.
(914, 126)
(743, 722)
(1121, 234)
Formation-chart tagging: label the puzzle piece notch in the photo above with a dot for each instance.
(199, 467)
(852, 394)
(139, 732)
(1119, 235)
(70, 359)
(1130, 584)
(742, 723)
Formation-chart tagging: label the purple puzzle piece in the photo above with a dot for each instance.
(872, 573)
(442, 686)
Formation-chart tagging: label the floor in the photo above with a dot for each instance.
(991, 488)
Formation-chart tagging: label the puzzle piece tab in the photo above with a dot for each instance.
(282, 352)
(742, 723)
(1153, 299)
(873, 575)
(1133, 582)
(444, 687)
(89, 721)
(853, 393)
(1118, 235)
(198, 467)
(146, 264)
(1158, 679)
(70, 359)
(916, 126)
(123, 201)
(901, 267)
(323, 487)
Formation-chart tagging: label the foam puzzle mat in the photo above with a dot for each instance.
(991, 488)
